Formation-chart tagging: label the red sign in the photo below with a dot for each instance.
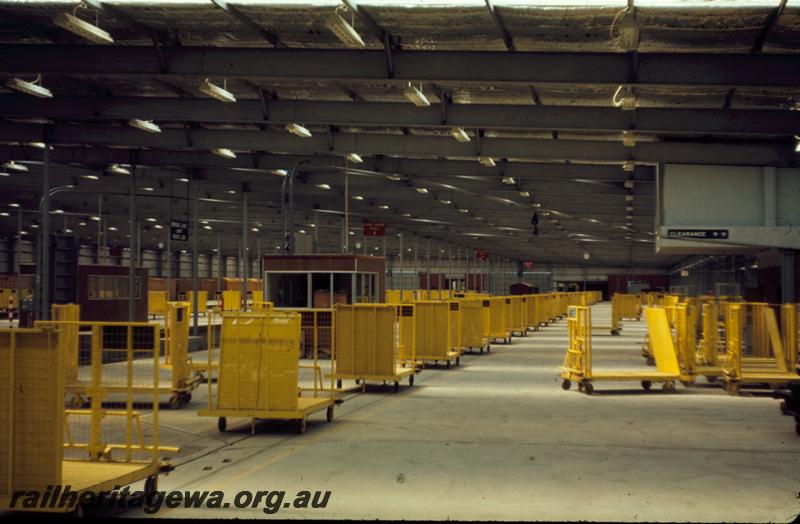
(527, 264)
(374, 229)
(481, 254)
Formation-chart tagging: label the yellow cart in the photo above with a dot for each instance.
(770, 368)
(517, 307)
(471, 326)
(94, 449)
(432, 333)
(498, 323)
(259, 372)
(367, 345)
(624, 307)
(577, 365)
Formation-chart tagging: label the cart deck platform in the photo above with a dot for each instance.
(305, 406)
(449, 358)
(399, 374)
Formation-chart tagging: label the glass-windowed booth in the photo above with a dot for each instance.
(321, 281)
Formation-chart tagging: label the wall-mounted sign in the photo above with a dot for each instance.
(179, 230)
(481, 254)
(702, 234)
(527, 264)
(374, 229)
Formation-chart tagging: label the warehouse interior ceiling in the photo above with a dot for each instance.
(545, 92)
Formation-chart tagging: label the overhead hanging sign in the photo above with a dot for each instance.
(527, 264)
(703, 234)
(374, 229)
(481, 255)
(179, 230)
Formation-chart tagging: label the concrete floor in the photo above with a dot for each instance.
(497, 438)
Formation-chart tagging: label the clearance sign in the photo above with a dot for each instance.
(481, 254)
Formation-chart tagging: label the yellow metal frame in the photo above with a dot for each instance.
(577, 366)
(432, 333)
(471, 322)
(367, 345)
(31, 402)
(156, 303)
(258, 371)
(518, 326)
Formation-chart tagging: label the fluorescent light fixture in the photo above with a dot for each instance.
(629, 184)
(586, 256)
(629, 167)
(628, 198)
(83, 29)
(68, 230)
(509, 180)
(223, 152)
(421, 189)
(151, 219)
(215, 91)
(415, 96)
(624, 98)
(487, 161)
(407, 215)
(38, 145)
(29, 88)
(354, 158)
(297, 129)
(117, 169)
(446, 202)
(5, 214)
(4, 174)
(279, 172)
(383, 206)
(13, 166)
(479, 218)
(629, 208)
(91, 177)
(628, 32)
(524, 194)
(324, 186)
(629, 217)
(464, 210)
(208, 228)
(231, 192)
(302, 231)
(183, 180)
(158, 226)
(344, 31)
(144, 125)
(58, 211)
(459, 134)
(358, 197)
(254, 229)
(95, 218)
(797, 144)
(112, 228)
(394, 178)
(34, 226)
(628, 139)
(148, 189)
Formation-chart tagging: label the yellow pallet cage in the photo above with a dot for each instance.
(432, 333)
(498, 323)
(367, 345)
(68, 337)
(768, 364)
(106, 351)
(261, 375)
(202, 302)
(517, 308)
(624, 307)
(95, 449)
(471, 325)
(577, 366)
(231, 300)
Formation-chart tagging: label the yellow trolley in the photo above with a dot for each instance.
(260, 372)
(432, 333)
(577, 365)
(367, 342)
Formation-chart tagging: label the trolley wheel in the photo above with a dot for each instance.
(481, 351)
(222, 424)
(615, 332)
(646, 385)
(448, 364)
(339, 384)
(508, 340)
(566, 384)
(711, 379)
(411, 380)
(396, 386)
(150, 485)
(651, 361)
(186, 397)
(588, 388)
(732, 389)
(488, 348)
(458, 361)
(358, 381)
(669, 386)
(301, 425)
(329, 414)
(175, 401)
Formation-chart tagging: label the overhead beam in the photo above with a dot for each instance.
(758, 45)
(765, 154)
(665, 69)
(96, 156)
(243, 19)
(114, 12)
(364, 114)
(501, 27)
